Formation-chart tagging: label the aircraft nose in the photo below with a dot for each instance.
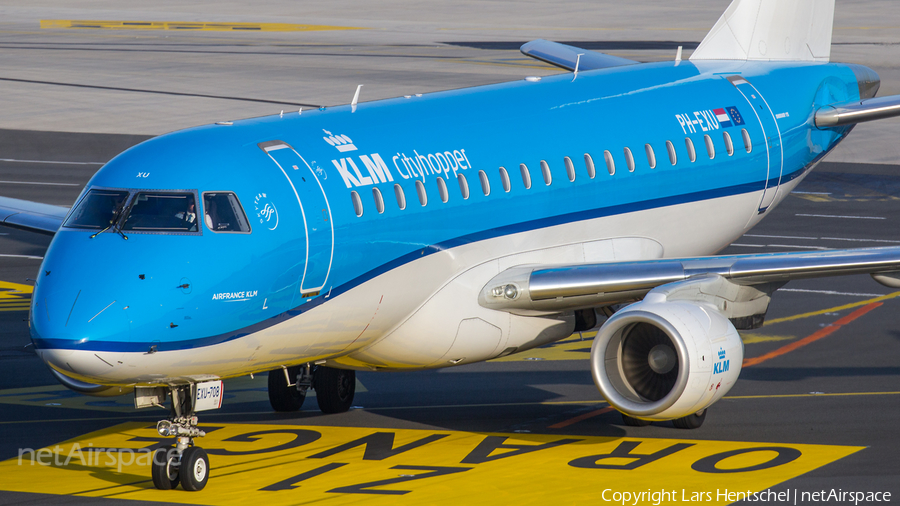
(75, 331)
(867, 79)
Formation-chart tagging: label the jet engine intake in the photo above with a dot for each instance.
(661, 360)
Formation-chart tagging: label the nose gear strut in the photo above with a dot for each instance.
(182, 462)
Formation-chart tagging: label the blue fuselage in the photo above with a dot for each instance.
(323, 191)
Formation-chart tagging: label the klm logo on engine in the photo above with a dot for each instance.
(722, 365)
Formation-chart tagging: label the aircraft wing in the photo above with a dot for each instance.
(31, 216)
(565, 56)
(534, 289)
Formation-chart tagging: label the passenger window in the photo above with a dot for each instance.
(710, 148)
(570, 168)
(589, 164)
(98, 209)
(420, 189)
(485, 184)
(747, 144)
(729, 146)
(545, 170)
(504, 178)
(401, 197)
(671, 149)
(357, 203)
(526, 176)
(651, 156)
(162, 212)
(610, 163)
(463, 186)
(222, 212)
(689, 144)
(379, 200)
(442, 190)
(629, 160)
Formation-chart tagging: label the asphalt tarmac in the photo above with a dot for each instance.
(825, 382)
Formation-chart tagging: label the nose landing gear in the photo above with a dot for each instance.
(182, 462)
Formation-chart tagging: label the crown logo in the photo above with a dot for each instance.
(721, 353)
(341, 142)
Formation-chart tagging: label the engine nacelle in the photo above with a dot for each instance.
(661, 360)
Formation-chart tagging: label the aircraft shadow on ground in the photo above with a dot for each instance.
(802, 373)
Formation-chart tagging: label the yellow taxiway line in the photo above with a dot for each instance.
(188, 26)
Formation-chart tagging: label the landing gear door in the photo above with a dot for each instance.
(316, 215)
(766, 118)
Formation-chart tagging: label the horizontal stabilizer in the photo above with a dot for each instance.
(858, 111)
(771, 30)
(567, 287)
(31, 216)
(566, 56)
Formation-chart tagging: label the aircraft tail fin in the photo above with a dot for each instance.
(771, 30)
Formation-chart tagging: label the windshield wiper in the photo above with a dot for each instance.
(114, 224)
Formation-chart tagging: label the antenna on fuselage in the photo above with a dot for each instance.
(678, 56)
(355, 99)
(577, 62)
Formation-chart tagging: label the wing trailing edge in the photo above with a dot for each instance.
(31, 216)
(565, 56)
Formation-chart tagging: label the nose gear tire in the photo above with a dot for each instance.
(164, 468)
(194, 469)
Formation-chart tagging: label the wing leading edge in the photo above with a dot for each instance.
(566, 56)
(547, 289)
(31, 216)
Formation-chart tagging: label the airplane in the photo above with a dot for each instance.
(455, 227)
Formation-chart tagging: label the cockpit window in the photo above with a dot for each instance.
(222, 212)
(162, 212)
(98, 210)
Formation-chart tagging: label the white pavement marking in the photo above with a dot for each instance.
(796, 246)
(859, 240)
(831, 292)
(21, 256)
(845, 217)
(49, 161)
(778, 246)
(781, 236)
(818, 238)
(40, 183)
(811, 193)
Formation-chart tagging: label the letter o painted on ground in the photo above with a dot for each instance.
(785, 456)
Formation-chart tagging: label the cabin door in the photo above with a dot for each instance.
(763, 113)
(316, 215)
